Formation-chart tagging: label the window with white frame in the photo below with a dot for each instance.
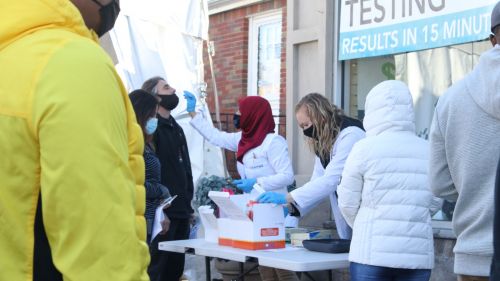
(264, 58)
(428, 74)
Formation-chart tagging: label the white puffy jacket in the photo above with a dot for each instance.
(384, 194)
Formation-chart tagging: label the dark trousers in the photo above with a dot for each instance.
(168, 266)
(364, 272)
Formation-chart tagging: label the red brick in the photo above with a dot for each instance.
(229, 31)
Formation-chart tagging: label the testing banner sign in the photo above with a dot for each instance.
(371, 28)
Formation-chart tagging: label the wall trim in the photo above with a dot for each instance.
(219, 6)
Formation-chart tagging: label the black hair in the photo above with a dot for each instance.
(144, 105)
(496, 30)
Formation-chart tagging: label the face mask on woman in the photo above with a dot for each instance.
(310, 132)
(151, 126)
(236, 120)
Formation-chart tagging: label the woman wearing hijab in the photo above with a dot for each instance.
(262, 155)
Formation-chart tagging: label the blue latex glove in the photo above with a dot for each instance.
(272, 197)
(191, 101)
(245, 184)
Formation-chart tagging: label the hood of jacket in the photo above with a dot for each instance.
(39, 14)
(483, 83)
(389, 107)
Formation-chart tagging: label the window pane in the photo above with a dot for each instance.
(269, 64)
(427, 73)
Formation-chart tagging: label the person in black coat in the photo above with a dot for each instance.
(176, 174)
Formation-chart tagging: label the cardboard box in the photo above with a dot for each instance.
(297, 238)
(236, 229)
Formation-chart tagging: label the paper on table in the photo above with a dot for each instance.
(288, 248)
(159, 217)
(227, 206)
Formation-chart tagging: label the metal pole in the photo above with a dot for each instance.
(208, 274)
(211, 52)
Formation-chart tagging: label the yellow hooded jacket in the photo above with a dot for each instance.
(68, 133)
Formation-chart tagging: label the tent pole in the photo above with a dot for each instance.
(210, 53)
(210, 50)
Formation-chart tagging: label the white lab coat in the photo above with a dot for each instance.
(269, 162)
(324, 181)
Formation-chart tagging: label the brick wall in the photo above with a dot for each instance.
(229, 32)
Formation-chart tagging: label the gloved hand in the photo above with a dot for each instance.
(245, 184)
(272, 197)
(285, 211)
(191, 101)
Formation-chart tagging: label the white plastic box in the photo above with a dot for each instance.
(236, 229)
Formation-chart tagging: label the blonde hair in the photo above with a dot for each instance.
(325, 118)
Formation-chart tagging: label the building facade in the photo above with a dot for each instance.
(344, 48)
(247, 45)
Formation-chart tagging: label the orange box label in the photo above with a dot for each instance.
(269, 232)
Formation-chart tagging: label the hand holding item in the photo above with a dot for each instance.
(191, 101)
(165, 225)
(245, 185)
(168, 202)
(272, 197)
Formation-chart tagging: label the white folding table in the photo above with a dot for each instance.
(289, 258)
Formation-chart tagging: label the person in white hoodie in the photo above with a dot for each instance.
(262, 155)
(384, 193)
(465, 146)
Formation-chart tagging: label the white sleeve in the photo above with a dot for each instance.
(436, 205)
(321, 187)
(318, 169)
(218, 138)
(351, 186)
(277, 155)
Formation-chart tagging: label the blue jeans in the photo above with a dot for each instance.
(363, 272)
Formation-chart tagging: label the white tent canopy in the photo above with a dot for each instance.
(165, 38)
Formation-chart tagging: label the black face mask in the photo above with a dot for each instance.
(108, 13)
(310, 132)
(236, 121)
(169, 102)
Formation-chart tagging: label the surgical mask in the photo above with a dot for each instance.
(310, 132)
(109, 13)
(169, 102)
(236, 120)
(151, 126)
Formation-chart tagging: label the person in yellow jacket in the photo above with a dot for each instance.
(71, 168)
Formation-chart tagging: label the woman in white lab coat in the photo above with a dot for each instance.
(330, 135)
(262, 155)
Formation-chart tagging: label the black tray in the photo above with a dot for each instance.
(327, 245)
